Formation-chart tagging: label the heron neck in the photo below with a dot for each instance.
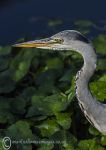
(82, 78)
(85, 99)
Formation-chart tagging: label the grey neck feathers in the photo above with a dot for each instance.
(94, 111)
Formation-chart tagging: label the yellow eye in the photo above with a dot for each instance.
(58, 40)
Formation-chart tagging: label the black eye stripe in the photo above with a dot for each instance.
(58, 40)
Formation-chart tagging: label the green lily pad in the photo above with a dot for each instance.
(101, 64)
(5, 114)
(18, 130)
(98, 89)
(64, 120)
(54, 63)
(56, 22)
(83, 26)
(6, 83)
(49, 105)
(48, 127)
(89, 144)
(21, 63)
(100, 44)
(1, 146)
(83, 23)
(5, 50)
(103, 140)
(18, 105)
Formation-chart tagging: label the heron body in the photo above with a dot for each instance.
(94, 111)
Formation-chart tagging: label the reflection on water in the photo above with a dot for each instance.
(32, 18)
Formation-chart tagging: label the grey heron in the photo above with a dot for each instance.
(73, 40)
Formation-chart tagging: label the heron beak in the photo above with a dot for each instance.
(43, 43)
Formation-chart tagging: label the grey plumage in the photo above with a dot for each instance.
(94, 111)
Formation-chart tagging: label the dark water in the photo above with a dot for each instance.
(29, 18)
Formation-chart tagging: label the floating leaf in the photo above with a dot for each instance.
(21, 63)
(49, 105)
(24, 147)
(28, 92)
(46, 147)
(18, 105)
(39, 107)
(5, 50)
(1, 146)
(57, 102)
(5, 114)
(93, 131)
(4, 63)
(101, 64)
(89, 145)
(54, 63)
(103, 78)
(48, 78)
(100, 44)
(64, 120)
(65, 140)
(98, 89)
(67, 76)
(48, 127)
(22, 70)
(83, 23)
(55, 22)
(103, 140)
(6, 83)
(83, 26)
(18, 130)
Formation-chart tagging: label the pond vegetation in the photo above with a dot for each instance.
(37, 96)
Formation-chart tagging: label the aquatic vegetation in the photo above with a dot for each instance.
(37, 99)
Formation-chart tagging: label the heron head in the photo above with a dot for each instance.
(61, 41)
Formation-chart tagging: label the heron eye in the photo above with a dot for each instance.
(57, 40)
